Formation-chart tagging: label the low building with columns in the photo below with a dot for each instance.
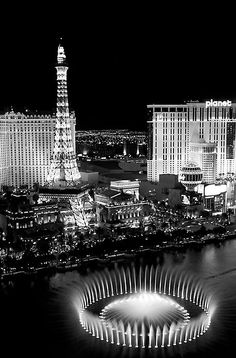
(117, 206)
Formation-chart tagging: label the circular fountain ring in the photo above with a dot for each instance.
(148, 307)
(147, 312)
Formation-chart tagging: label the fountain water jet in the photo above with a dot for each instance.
(145, 314)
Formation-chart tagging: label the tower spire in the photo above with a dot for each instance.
(63, 170)
(61, 57)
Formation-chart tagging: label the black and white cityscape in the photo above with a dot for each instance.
(118, 184)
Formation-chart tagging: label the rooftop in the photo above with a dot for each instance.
(109, 193)
(66, 190)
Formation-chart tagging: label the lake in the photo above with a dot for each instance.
(38, 318)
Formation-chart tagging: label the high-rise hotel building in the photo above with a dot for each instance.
(26, 147)
(175, 132)
(204, 155)
(4, 153)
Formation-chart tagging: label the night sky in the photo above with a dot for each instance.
(120, 59)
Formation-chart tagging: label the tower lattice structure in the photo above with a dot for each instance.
(63, 170)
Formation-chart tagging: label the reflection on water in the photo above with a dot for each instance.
(38, 315)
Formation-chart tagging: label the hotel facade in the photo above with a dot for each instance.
(26, 147)
(200, 132)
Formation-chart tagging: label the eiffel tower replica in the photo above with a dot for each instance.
(63, 171)
(63, 183)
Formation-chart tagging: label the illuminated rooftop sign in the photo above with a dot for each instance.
(212, 103)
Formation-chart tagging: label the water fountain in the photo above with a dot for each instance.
(149, 307)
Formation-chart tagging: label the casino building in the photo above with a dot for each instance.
(178, 133)
(26, 147)
(120, 202)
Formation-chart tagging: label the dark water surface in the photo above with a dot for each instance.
(38, 319)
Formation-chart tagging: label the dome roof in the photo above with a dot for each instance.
(191, 167)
